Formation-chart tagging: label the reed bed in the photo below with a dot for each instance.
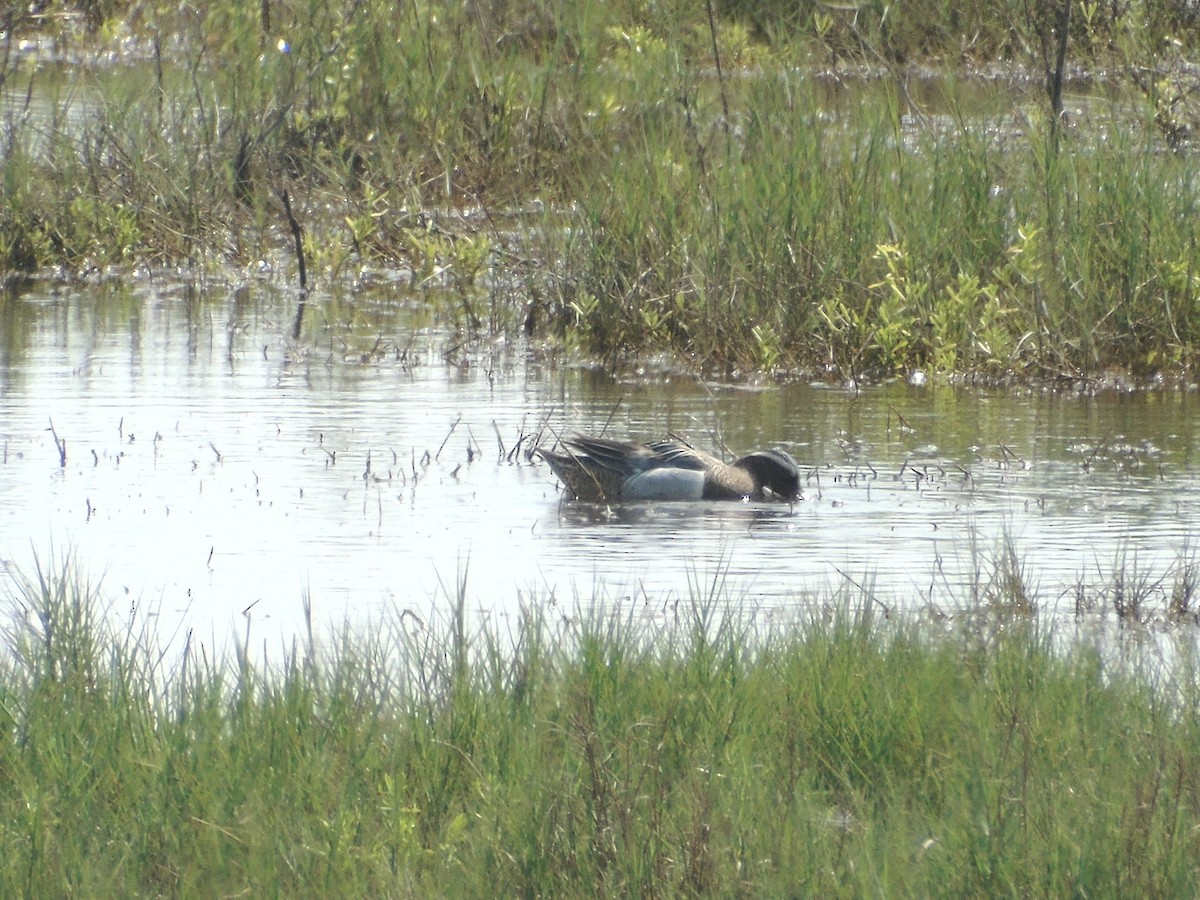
(752, 187)
(600, 754)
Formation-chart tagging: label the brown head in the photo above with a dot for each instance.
(774, 471)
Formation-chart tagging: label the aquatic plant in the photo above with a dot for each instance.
(699, 185)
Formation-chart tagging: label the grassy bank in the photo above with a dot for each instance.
(603, 756)
(701, 188)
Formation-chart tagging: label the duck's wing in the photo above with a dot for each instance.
(677, 454)
(615, 456)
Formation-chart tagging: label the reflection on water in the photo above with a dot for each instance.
(216, 467)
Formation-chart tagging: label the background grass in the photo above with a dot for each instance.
(775, 187)
(601, 756)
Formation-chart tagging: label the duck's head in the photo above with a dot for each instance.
(775, 471)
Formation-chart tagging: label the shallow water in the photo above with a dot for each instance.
(218, 471)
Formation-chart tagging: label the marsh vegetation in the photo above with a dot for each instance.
(599, 753)
(750, 186)
(992, 191)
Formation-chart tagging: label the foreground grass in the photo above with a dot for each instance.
(605, 757)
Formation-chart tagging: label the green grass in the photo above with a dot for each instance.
(703, 191)
(604, 755)
(823, 243)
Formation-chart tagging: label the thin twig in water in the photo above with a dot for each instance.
(61, 444)
(298, 237)
(887, 611)
(514, 453)
(438, 455)
(1009, 454)
(537, 437)
(499, 440)
(608, 421)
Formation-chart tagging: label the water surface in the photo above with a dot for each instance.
(219, 471)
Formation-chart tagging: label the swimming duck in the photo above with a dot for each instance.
(602, 470)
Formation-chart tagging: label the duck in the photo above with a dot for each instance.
(600, 470)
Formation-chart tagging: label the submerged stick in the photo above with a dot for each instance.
(61, 444)
(612, 413)
(298, 238)
(447, 437)
(499, 439)
(869, 594)
(536, 441)
(512, 454)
